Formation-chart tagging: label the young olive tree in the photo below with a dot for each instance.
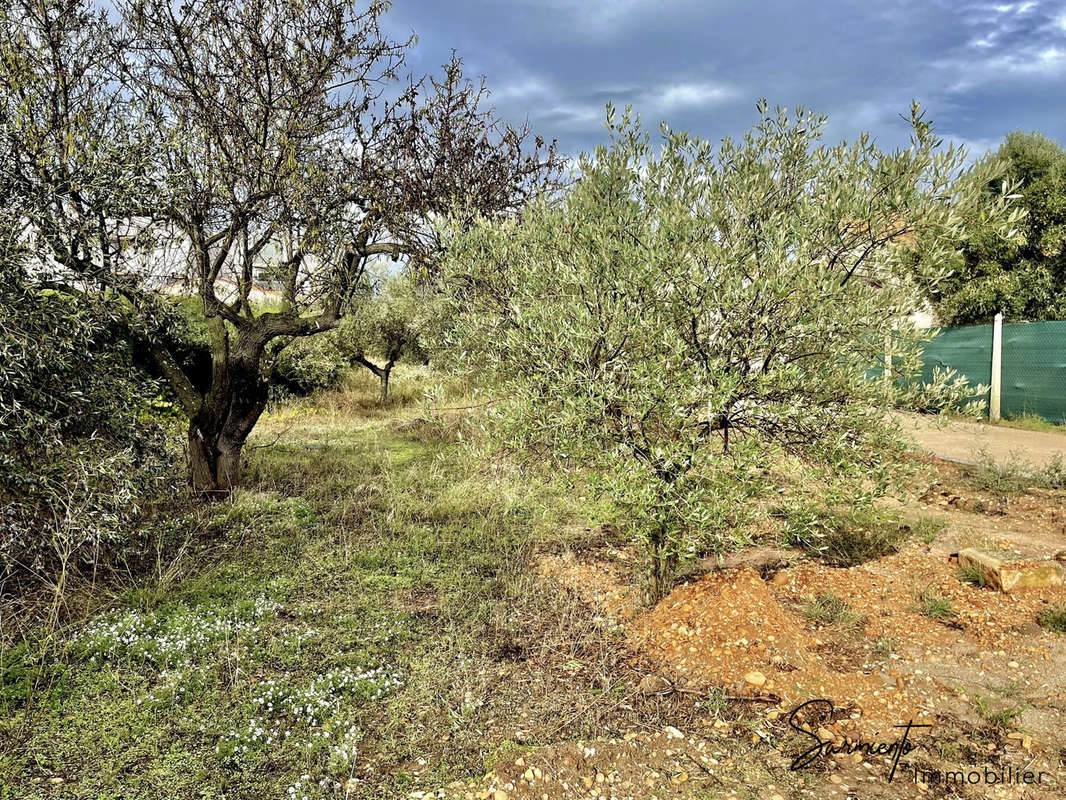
(385, 330)
(679, 319)
(218, 139)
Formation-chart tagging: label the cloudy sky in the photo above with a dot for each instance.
(980, 68)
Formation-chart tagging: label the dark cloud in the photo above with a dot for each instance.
(981, 68)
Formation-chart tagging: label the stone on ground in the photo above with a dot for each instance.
(1007, 571)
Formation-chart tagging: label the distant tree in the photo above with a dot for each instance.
(385, 331)
(216, 134)
(680, 320)
(1024, 277)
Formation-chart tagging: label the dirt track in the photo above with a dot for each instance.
(966, 441)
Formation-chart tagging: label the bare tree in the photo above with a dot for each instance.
(244, 134)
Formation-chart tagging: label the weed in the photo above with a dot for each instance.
(1016, 475)
(885, 646)
(935, 607)
(829, 609)
(1054, 619)
(975, 576)
(997, 713)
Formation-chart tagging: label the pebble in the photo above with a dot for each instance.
(755, 678)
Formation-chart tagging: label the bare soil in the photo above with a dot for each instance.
(985, 676)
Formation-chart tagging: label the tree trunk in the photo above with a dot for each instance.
(229, 411)
(385, 384)
(381, 372)
(661, 569)
(214, 468)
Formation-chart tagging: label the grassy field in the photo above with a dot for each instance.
(359, 620)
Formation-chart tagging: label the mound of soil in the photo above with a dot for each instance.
(729, 630)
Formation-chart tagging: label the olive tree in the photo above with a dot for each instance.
(679, 319)
(385, 329)
(218, 141)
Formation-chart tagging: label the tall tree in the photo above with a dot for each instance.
(242, 135)
(1024, 277)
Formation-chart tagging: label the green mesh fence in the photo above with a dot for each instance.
(1034, 364)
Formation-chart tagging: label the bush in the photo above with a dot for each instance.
(844, 539)
(82, 432)
(680, 318)
(309, 364)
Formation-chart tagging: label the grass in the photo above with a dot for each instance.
(1032, 422)
(936, 607)
(1053, 619)
(996, 712)
(845, 539)
(927, 527)
(975, 576)
(1015, 475)
(1024, 422)
(360, 613)
(829, 609)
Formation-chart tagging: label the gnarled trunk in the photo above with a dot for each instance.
(382, 374)
(219, 429)
(214, 466)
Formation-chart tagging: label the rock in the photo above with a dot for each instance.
(755, 678)
(654, 684)
(499, 794)
(673, 733)
(1008, 571)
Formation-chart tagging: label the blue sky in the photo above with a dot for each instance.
(982, 69)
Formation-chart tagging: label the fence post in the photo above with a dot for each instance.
(997, 368)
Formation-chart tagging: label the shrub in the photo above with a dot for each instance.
(681, 318)
(844, 539)
(82, 432)
(309, 364)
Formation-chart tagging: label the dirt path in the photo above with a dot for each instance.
(965, 441)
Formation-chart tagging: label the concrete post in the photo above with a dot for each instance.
(997, 368)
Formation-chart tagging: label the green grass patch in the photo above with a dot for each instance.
(342, 615)
(829, 609)
(844, 539)
(927, 528)
(1053, 619)
(936, 607)
(975, 576)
